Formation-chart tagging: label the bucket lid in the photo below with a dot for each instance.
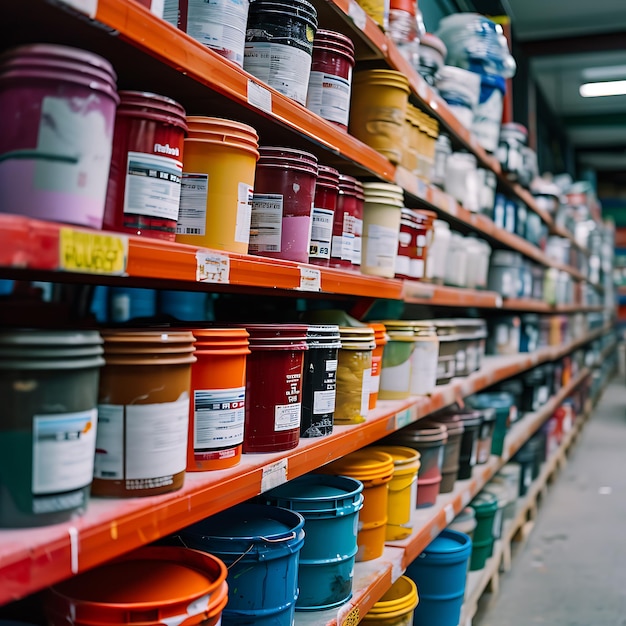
(493, 399)
(277, 336)
(399, 600)
(221, 339)
(145, 347)
(403, 457)
(364, 464)
(172, 584)
(385, 78)
(144, 104)
(470, 418)
(500, 491)
(420, 433)
(296, 8)
(415, 326)
(323, 336)
(328, 176)
(484, 502)
(488, 414)
(222, 131)
(449, 542)
(338, 42)
(453, 423)
(465, 515)
(287, 158)
(357, 338)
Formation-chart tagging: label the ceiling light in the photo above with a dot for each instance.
(606, 88)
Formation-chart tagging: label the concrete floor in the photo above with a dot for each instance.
(572, 570)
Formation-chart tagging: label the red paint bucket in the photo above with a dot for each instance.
(348, 225)
(143, 196)
(323, 214)
(274, 387)
(330, 81)
(284, 191)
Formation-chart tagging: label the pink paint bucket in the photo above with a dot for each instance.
(56, 133)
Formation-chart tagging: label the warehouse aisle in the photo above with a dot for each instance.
(572, 571)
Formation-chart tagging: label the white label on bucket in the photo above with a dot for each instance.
(110, 449)
(382, 244)
(267, 222)
(310, 279)
(274, 474)
(244, 213)
(474, 456)
(323, 402)
(329, 97)
(396, 378)
(287, 416)
(321, 233)
(152, 186)
(193, 199)
(212, 267)
(424, 367)
(487, 117)
(63, 450)
(283, 67)
(259, 96)
(417, 268)
(365, 391)
(89, 7)
(218, 417)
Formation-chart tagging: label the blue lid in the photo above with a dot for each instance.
(494, 399)
(317, 486)
(449, 542)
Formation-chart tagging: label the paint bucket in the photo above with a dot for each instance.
(320, 381)
(527, 457)
(284, 193)
(128, 303)
(279, 45)
(323, 214)
(218, 396)
(219, 24)
(374, 469)
(330, 506)
(143, 412)
(143, 195)
(330, 81)
(345, 250)
(503, 403)
(354, 371)
(510, 474)
(187, 306)
(485, 507)
(395, 376)
(99, 306)
(260, 546)
(381, 228)
(402, 498)
(488, 112)
(451, 453)
(440, 573)
(468, 457)
(378, 110)
(56, 133)
(396, 606)
(381, 338)
(485, 435)
(216, 214)
(464, 522)
(501, 492)
(48, 431)
(150, 586)
(429, 441)
(274, 387)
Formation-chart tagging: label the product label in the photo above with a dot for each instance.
(63, 450)
(474, 455)
(91, 252)
(356, 252)
(244, 213)
(424, 361)
(266, 222)
(382, 244)
(218, 417)
(375, 375)
(460, 361)
(193, 199)
(152, 186)
(343, 247)
(146, 444)
(365, 391)
(287, 416)
(283, 67)
(403, 265)
(416, 269)
(329, 96)
(321, 233)
(323, 402)
(396, 377)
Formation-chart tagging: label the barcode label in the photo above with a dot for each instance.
(266, 223)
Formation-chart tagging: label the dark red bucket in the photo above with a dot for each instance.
(348, 225)
(323, 214)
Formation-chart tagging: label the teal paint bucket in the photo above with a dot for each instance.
(504, 404)
(330, 506)
(485, 507)
(440, 572)
(261, 546)
(190, 306)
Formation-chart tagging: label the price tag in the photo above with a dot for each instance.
(357, 14)
(88, 7)
(274, 474)
(499, 302)
(259, 96)
(310, 279)
(212, 267)
(403, 419)
(92, 253)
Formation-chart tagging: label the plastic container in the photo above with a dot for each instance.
(485, 435)
(448, 347)
(396, 606)
(279, 45)
(451, 453)
(501, 492)
(443, 149)
(330, 81)
(513, 138)
(56, 133)
(502, 402)
(218, 177)
(323, 215)
(218, 399)
(150, 586)
(143, 412)
(395, 377)
(283, 197)
(49, 380)
(456, 262)
(461, 181)
(464, 522)
(330, 506)
(504, 335)
(381, 338)
(374, 469)
(432, 57)
(348, 224)
(429, 441)
(485, 507)
(320, 381)
(402, 499)
(510, 474)
(129, 303)
(468, 458)
(440, 573)
(378, 110)
(274, 387)
(488, 111)
(505, 273)
(460, 88)
(381, 227)
(478, 255)
(143, 194)
(354, 371)
(528, 456)
(438, 252)
(258, 543)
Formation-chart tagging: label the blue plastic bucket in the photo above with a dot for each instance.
(440, 573)
(127, 303)
(184, 305)
(330, 506)
(261, 546)
(100, 303)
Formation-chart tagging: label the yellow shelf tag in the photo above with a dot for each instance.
(92, 253)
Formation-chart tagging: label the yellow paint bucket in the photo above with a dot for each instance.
(378, 111)
(218, 178)
(396, 606)
(402, 497)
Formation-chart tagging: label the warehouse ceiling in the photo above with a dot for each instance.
(568, 44)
